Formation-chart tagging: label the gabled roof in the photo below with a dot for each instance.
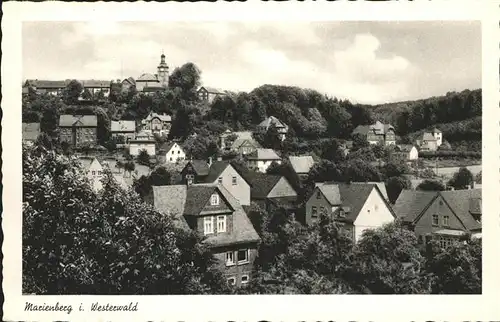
(411, 203)
(168, 146)
(261, 184)
(215, 170)
(272, 120)
(92, 83)
(380, 185)
(162, 117)
(122, 126)
(331, 193)
(436, 130)
(129, 80)
(147, 78)
(181, 200)
(427, 136)
(200, 167)
(462, 202)
(301, 164)
(47, 84)
(263, 154)
(213, 90)
(377, 128)
(67, 120)
(31, 131)
(405, 147)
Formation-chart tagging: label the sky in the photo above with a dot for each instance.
(365, 62)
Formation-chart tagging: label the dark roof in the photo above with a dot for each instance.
(213, 90)
(31, 131)
(405, 147)
(215, 170)
(377, 128)
(67, 120)
(411, 203)
(200, 167)
(168, 145)
(261, 184)
(92, 83)
(47, 84)
(180, 200)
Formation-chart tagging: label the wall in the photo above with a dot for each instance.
(373, 214)
(136, 147)
(241, 190)
(175, 154)
(86, 135)
(439, 207)
(66, 134)
(318, 203)
(236, 270)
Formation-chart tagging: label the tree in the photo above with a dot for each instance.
(479, 177)
(331, 150)
(387, 261)
(158, 177)
(431, 185)
(86, 95)
(187, 78)
(395, 185)
(359, 141)
(129, 167)
(462, 179)
(50, 121)
(78, 242)
(103, 125)
(72, 92)
(143, 157)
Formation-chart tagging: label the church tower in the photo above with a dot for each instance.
(163, 72)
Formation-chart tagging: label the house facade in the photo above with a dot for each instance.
(212, 212)
(142, 141)
(96, 86)
(354, 207)
(377, 133)
(124, 130)
(157, 123)
(267, 190)
(78, 130)
(406, 152)
(243, 142)
(95, 173)
(30, 132)
(172, 152)
(281, 127)
(50, 87)
(209, 94)
(442, 215)
(261, 159)
(430, 141)
(301, 165)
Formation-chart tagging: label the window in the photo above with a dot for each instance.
(189, 178)
(318, 195)
(173, 152)
(231, 281)
(323, 210)
(170, 158)
(244, 279)
(243, 256)
(444, 241)
(435, 220)
(214, 200)
(93, 173)
(314, 211)
(99, 172)
(219, 180)
(221, 224)
(208, 225)
(178, 152)
(230, 258)
(446, 221)
(341, 213)
(234, 181)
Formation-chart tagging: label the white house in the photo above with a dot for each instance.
(142, 141)
(355, 207)
(94, 172)
(407, 152)
(172, 153)
(261, 159)
(124, 129)
(157, 123)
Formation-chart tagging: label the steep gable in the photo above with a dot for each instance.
(281, 189)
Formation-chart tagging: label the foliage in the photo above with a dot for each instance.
(72, 92)
(143, 157)
(187, 79)
(479, 177)
(462, 179)
(394, 186)
(431, 185)
(158, 177)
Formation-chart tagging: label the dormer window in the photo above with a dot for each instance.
(214, 200)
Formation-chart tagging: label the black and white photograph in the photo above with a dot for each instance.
(177, 158)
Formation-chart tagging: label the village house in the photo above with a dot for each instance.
(149, 83)
(267, 190)
(50, 87)
(243, 142)
(301, 165)
(380, 185)
(430, 141)
(218, 172)
(406, 152)
(261, 159)
(354, 207)
(142, 141)
(157, 123)
(281, 127)
(78, 129)
(213, 212)
(94, 172)
(96, 86)
(377, 133)
(444, 215)
(172, 152)
(30, 132)
(128, 83)
(209, 94)
(123, 129)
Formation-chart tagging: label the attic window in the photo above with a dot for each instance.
(214, 200)
(318, 195)
(220, 180)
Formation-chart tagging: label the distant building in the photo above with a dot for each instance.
(430, 141)
(78, 129)
(96, 86)
(172, 152)
(281, 127)
(301, 164)
(31, 131)
(209, 94)
(213, 212)
(127, 83)
(406, 152)
(267, 190)
(125, 129)
(261, 159)
(142, 141)
(354, 207)
(157, 123)
(377, 133)
(50, 87)
(95, 173)
(445, 215)
(243, 144)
